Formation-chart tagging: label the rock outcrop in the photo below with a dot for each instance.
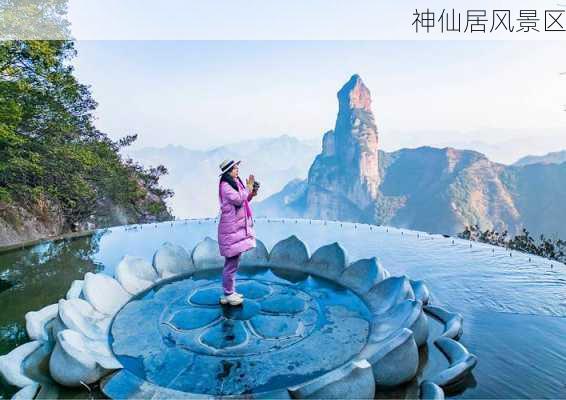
(346, 171)
(428, 189)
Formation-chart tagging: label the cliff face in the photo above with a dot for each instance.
(344, 179)
(45, 219)
(18, 224)
(443, 190)
(429, 189)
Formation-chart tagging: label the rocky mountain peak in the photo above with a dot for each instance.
(348, 164)
(356, 141)
(427, 188)
(354, 95)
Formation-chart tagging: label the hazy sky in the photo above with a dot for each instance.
(206, 93)
(290, 19)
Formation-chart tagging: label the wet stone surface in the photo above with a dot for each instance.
(288, 331)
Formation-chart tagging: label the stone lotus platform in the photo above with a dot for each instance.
(311, 326)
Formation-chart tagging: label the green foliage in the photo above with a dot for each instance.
(554, 249)
(5, 196)
(50, 151)
(489, 236)
(33, 19)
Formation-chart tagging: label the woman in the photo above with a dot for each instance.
(235, 228)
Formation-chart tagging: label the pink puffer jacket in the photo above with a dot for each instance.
(235, 228)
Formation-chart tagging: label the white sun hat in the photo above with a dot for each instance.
(227, 164)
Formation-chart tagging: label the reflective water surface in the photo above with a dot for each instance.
(514, 305)
(205, 347)
(36, 277)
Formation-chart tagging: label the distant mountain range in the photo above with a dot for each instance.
(193, 174)
(505, 145)
(429, 189)
(557, 157)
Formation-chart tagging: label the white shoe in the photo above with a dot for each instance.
(232, 299)
(239, 294)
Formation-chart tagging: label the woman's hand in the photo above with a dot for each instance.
(250, 183)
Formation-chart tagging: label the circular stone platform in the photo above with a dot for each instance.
(178, 336)
(311, 326)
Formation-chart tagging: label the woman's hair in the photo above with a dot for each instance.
(226, 177)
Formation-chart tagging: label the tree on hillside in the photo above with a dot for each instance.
(554, 249)
(34, 19)
(51, 154)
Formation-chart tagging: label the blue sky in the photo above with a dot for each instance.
(205, 93)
